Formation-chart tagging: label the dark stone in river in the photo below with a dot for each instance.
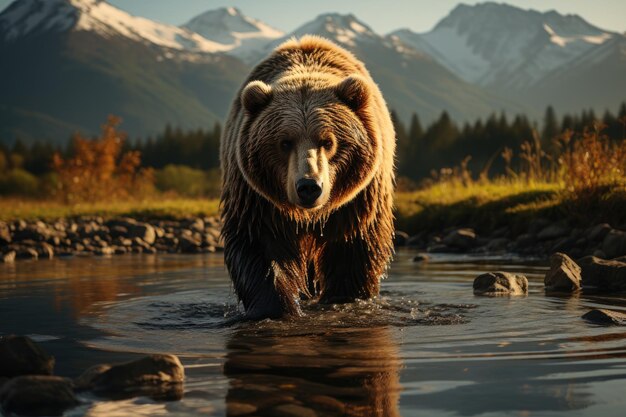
(157, 376)
(421, 257)
(143, 231)
(20, 355)
(564, 273)
(603, 316)
(603, 274)
(37, 395)
(500, 283)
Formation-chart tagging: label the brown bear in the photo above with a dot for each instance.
(307, 158)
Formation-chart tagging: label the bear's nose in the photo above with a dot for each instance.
(308, 191)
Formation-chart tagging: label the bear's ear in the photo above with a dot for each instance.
(353, 91)
(255, 96)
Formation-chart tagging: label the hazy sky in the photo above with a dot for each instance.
(382, 16)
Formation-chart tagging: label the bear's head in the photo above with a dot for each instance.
(309, 145)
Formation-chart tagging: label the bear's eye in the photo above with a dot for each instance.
(286, 145)
(326, 144)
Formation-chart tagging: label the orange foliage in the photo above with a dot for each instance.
(98, 170)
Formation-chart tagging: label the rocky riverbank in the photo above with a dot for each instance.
(86, 236)
(97, 236)
(541, 239)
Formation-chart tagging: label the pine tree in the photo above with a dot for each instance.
(550, 125)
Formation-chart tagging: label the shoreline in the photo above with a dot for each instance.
(96, 235)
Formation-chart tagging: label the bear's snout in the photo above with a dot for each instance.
(309, 190)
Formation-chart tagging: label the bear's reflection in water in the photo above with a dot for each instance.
(333, 372)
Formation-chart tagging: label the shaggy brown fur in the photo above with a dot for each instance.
(310, 110)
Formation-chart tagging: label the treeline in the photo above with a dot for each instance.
(444, 143)
(187, 162)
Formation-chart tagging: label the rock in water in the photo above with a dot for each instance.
(602, 316)
(20, 355)
(461, 239)
(37, 395)
(500, 283)
(421, 257)
(158, 376)
(603, 274)
(564, 273)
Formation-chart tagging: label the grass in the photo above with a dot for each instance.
(167, 208)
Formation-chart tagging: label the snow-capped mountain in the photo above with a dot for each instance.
(27, 17)
(505, 47)
(66, 64)
(410, 80)
(240, 34)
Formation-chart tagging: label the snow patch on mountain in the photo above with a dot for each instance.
(25, 17)
(500, 45)
(242, 35)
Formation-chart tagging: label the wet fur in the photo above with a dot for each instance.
(276, 253)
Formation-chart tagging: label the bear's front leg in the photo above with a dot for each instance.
(352, 270)
(264, 287)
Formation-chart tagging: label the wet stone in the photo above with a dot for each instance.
(606, 317)
(38, 395)
(20, 355)
(155, 375)
(500, 283)
(564, 273)
(603, 274)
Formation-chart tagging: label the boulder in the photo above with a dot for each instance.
(461, 239)
(553, 231)
(144, 231)
(564, 273)
(20, 355)
(37, 395)
(158, 376)
(603, 316)
(603, 274)
(614, 244)
(500, 283)
(599, 232)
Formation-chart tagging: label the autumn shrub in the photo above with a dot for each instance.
(98, 170)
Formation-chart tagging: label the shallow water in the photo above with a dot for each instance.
(427, 346)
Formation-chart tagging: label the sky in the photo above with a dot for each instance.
(383, 16)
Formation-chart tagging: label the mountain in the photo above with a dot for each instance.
(594, 80)
(239, 34)
(67, 64)
(503, 47)
(411, 81)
